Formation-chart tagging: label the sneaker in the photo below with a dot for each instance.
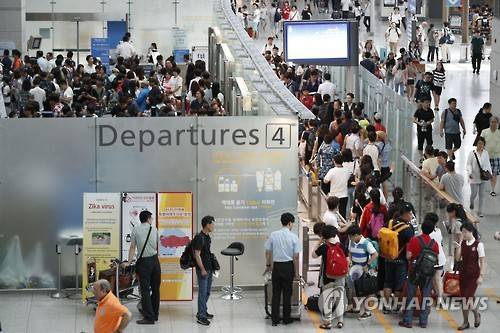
(481, 215)
(493, 194)
(366, 315)
(209, 316)
(203, 321)
(145, 322)
(403, 324)
(471, 206)
(386, 310)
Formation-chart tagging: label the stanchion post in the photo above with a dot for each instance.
(309, 200)
(305, 252)
(58, 294)
(318, 203)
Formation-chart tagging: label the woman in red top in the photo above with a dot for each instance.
(286, 11)
(472, 271)
(17, 63)
(371, 209)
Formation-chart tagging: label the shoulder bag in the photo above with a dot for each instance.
(483, 174)
(145, 243)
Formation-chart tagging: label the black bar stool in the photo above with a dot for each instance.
(233, 250)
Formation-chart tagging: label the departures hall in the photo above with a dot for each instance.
(249, 166)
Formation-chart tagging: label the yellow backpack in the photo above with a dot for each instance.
(388, 240)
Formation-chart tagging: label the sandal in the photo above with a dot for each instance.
(340, 325)
(325, 327)
(464, 327)
(477, 321)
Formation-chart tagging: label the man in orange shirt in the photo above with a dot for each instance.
(111, 316)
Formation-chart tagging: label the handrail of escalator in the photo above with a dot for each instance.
(265, 71)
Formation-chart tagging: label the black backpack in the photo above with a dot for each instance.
(313, 303)
(425, 264)
(187, 260)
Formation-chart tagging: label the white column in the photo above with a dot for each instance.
(495, 67)
(12, 22)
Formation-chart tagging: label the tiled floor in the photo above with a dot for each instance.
(34, 312)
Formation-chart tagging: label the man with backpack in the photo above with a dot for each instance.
(362, 254)
(451, 121)
(393, 240)
(422, 254)
(333, 271)
(204, 267)
(392, 36)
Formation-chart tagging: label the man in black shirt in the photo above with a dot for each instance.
(477, 46)
(6, 62)
(204, 268)
(424, 88)
(424, 117)
(482, 120)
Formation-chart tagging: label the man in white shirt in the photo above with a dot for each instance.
(347, 5)
(338, 177)
(392, 36)
(89, 67)
(42, 62)
(66, 93)
(176, 82)
(269, 45)
(327, 87)
(196, 79)
(51, 62)
(430, 165)
(371, 149)
(37, 93)
(125, 49)
(353, 142)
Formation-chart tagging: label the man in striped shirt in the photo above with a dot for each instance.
(361, 253)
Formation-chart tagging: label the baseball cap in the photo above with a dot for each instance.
(377, 116)
(406, 207)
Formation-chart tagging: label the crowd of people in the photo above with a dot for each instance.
(55, 86)
(403, 67)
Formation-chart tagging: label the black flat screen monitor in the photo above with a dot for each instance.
(35, 44)
(324, 42)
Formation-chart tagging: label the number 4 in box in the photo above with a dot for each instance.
(278, 136)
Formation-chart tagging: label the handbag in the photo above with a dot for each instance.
(366, 285)
(483, 174)
(451, 283)
(215, 262)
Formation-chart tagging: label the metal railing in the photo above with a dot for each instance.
(315, 201)
(269, 95)
(397, 116)
(427, 197)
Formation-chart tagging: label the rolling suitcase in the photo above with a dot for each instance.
(296, 299)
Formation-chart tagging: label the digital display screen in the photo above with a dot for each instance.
(318, 42)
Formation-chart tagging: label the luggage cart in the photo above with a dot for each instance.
(123, 282)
